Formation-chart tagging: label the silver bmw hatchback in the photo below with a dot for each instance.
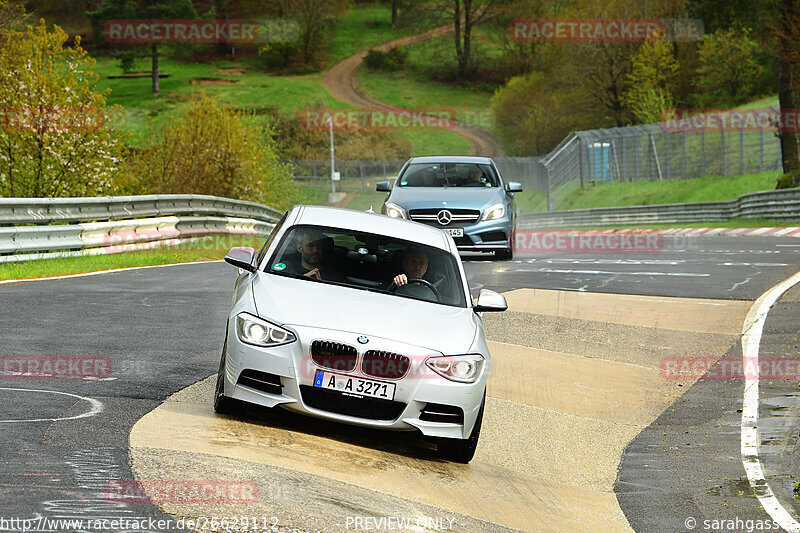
(462, 195)
(362, 319)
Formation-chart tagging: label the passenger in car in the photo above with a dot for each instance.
(428, 178)
(311, 247)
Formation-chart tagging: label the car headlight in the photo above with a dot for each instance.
(494, 212)
(461, 368)
(395, 211)
(253, 330)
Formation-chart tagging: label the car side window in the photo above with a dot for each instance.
(270, 238)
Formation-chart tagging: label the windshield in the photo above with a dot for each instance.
(449, 175)
(370, 262)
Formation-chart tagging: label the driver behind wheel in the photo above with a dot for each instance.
(415, 264)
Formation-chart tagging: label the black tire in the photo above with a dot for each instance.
(462, 450)
(223, 404)
(504, 255)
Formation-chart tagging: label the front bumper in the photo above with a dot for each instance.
(483, 236)
(291, 366)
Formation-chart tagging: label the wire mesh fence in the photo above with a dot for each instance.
(661, 151)
(355, 175)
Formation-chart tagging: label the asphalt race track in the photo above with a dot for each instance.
(584, 431)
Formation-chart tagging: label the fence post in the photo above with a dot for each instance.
(683, 150)
(703, 145)
(722, 149)
(666, 139)
(761, 143)
(636, 160)
(361, 172)
(384, 168)
(741, 149)
(548, 189)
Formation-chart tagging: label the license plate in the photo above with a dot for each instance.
(455, 232)
(353, 386)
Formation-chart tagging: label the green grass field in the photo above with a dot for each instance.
(709, 189)
(255, 91)
(239, 82)
(361, 28)
(210, 249)
(414, 88)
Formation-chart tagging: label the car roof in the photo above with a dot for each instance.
(451, 159)
(338, 217)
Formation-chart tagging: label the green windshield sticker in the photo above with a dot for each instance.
(279, 266)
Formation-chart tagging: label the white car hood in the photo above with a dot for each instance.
(295, 302)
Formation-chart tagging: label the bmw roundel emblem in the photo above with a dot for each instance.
(363, 339)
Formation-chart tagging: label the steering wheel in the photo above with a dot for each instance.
(421, 281)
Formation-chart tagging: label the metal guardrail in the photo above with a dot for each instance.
(779, 204)
(34, 228)
(74, 210)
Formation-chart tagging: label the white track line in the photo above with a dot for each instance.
(111, 271)
(751, 341)
(96, 407)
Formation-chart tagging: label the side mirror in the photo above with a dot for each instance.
(490, 301)
(382, 186)
(242, 257)
(514, 186)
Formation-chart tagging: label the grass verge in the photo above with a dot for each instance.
(732, 223)
(212, 248)
(616, 194)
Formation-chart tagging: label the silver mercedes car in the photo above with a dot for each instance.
(363, 319)
(462, 195)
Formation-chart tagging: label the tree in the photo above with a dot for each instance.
(465, 16)
(142, 10)
(718, 15)
(535, 112)
(788, 33)
(651, 81)
(316, 20)
(12, 15)
(520, 57)
(212, 148)
(57, 137)
(396, 6)
(729, 69)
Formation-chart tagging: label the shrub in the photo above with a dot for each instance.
(394, 59)
(215, 149)
(57, 137)
(788, 181)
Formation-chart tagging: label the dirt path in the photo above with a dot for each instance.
(342, 82)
